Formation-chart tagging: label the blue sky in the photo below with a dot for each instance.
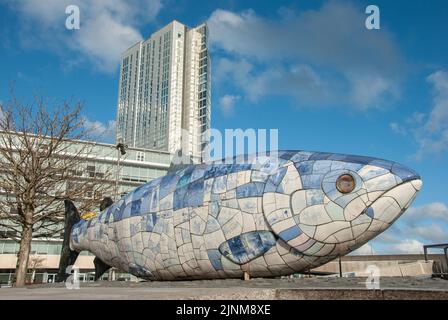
(309, 68)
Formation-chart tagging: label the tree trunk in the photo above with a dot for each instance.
(24, 253)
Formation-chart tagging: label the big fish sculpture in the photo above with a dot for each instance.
(268, 215)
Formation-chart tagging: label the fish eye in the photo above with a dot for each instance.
(345, 183)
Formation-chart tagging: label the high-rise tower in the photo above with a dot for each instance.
(164, 91)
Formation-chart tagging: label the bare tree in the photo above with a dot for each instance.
(43, 162)
(34, 263)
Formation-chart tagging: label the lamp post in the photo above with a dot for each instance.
(121, 148)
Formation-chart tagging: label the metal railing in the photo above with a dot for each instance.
(439, 269)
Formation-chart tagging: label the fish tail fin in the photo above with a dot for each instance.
(68, 256)
(100, 266)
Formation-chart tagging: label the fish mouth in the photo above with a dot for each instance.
(392, 203)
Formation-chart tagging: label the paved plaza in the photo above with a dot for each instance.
(296, 288)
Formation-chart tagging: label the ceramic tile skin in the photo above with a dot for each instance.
(273, 214)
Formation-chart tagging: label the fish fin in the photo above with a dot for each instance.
(247, 246)
(106, 203)
(100, 267)
(68, 256)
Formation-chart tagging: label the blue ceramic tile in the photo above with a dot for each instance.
(212, 225)
(287, 155)
(252, 189)
(314, 196)
(404, 173)
(240, 167)
(154, 201)
(178, 199)
(305, 167)
(311, 181)
(140, 271)
(117, 212)
(278, 176)
(184, 179)
(337, 157)
(219, 184)
(301, 156)
(320, 156)
(215, 258)
(168, 185)
(382, 163)
(247, 246)
(370, 212)
(217, 170)
(290, 233)
(136, 207)
(149, 221)
(345, 199)
(133, 228)
(322, 167)
(195, 194)
(214, 208)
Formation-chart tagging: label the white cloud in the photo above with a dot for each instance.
(97, 130)
(407, 246)
(420, 225)
(430, 130)
(366, 249)
(320, 57)
(438, 118)
(433, 233)
(435, 210)
(432, 137)
(227, 103)
(108, 27)
(398, 128)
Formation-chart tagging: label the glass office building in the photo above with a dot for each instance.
(164, 91)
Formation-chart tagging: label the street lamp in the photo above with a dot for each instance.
(121, 148)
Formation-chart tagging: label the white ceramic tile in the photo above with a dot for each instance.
(298, 201)
(269, 204)
(334, 211)
(283, 225)
(417, 184)
(325, 250)
(226, 214)
(278, 215)
(213, 240)
(314, 215)
(363, 218)
(386, 209)
(354, 208)
(384, 182)
(232, 180)
(344, 235)
(248, 222)
(298, 241)
(233, 227)
(308, 230)
(359, 229)
(402, 194)
(291, 181)
(326, 230)
(282, 200)
(273, 259)
(314, 248)
(249, 204)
